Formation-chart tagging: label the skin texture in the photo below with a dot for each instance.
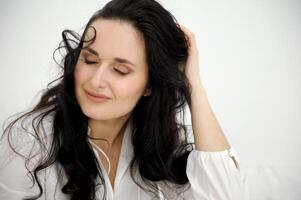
(100, 74)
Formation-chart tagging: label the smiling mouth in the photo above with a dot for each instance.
(96, 98)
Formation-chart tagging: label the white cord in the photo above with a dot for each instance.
(105, 155)
(160, 193)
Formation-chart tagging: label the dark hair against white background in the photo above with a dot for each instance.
(249, 60)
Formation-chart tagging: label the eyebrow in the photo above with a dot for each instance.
(117, 59)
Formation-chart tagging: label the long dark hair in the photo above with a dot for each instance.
(157, 134)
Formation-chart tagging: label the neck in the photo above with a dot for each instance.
(108, 130)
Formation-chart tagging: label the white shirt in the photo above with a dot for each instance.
(212, 175)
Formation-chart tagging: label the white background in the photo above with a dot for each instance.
(249, 62)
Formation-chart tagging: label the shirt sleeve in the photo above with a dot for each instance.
(215, 175)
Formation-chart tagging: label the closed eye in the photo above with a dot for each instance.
(120, 72)
(89, 62)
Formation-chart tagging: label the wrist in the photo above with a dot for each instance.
(197, 88)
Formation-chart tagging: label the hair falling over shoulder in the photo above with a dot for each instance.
(157, 134)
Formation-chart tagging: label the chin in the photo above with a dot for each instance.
(93, 113)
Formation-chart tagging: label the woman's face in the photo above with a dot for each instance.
(114, 65)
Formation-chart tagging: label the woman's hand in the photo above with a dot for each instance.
(207, 132)
(191, 67)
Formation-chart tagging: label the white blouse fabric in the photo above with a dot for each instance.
(212, 175)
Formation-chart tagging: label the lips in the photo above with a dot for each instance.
(99, 95)
(96, 96)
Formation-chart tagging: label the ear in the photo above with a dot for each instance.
(147, 92)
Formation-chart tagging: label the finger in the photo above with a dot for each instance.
(186, 30)
(190, 36)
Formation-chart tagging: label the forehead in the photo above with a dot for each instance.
(115, 38)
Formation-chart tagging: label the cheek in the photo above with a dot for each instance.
(131, 88)
(81, 75)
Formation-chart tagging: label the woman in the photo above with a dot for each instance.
(108, 129)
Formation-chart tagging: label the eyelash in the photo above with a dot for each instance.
(87, 61)
(119, 72)
(92, 63)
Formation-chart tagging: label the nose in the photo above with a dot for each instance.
(100, 77)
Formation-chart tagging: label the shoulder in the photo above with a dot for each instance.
(21, 150)
(28, 137)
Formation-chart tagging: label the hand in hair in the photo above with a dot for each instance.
(191, 68)
(207, 132)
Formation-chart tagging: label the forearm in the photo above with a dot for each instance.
(207, 132)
